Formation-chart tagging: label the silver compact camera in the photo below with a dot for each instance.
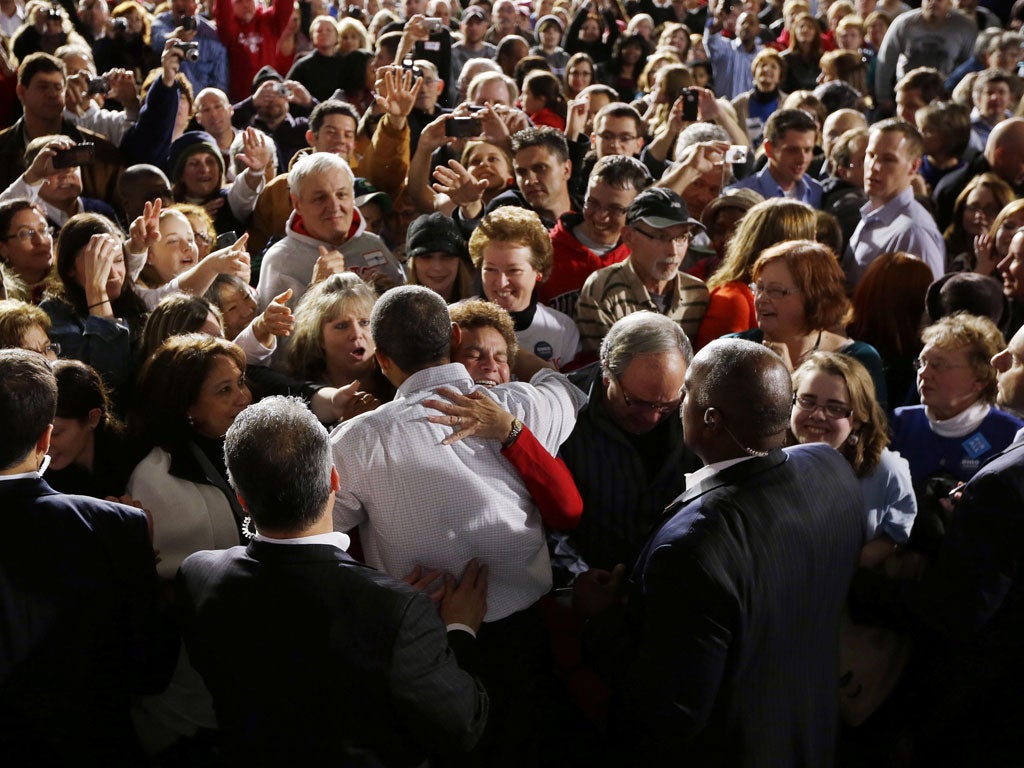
(736, 154)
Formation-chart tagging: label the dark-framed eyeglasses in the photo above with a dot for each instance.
(831, 409)
(647, 405)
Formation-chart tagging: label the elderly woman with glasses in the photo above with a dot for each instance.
(956, 427)
(26, 326)
(834, 402)
(801, 306)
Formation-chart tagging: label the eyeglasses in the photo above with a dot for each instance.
(615, 211)
(25, 234)
(621, 138)
(989, 210)
(635, 402)
(53, 348)
(831, 409)
(937, 366)
(685, 239)
(773, 292)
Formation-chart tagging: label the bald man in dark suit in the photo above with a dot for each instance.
(734, 602)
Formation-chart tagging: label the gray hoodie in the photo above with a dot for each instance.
(289, 262)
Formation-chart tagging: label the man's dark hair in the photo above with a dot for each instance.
(331, 107)
(621, 172)
(411, 325)
(38, 62)
(927, 80)
(28, 401)
(788, 120)
(620, 109)
(389, 42)
(9, 209)
(278, 458)
(951, 121)
(545, 136)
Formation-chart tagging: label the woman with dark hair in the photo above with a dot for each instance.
(623, 69)
(888, 309)
(800, 301)
(803, 56)
(543, 101)
(976, 208)
(579, 74)
(97, 316)
(586, 33)
(26, 250)
(189, 392)
(356, 79)
(90, 453)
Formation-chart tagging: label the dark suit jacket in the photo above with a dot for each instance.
(736, 600)
(83, 627)
(967, 615)
(314, 659)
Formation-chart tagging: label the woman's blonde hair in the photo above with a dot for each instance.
(872, 431)
(322, 303)
(982, 339)
(764, 225)
(348, 24)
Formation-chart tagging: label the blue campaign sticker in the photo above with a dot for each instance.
(976, 445)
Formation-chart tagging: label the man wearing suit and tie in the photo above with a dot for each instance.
(734, 601)
(82, 620)
(312, 658)
(967, 613)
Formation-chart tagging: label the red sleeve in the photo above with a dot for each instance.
(730, 310)
(282, 13)
(548, 480)
(225, 19)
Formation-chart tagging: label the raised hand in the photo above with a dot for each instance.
(233, 260)
(576, 117)
(459, 184)
(42, 166)
(256, 152)
(145, 230)
(329, 263)
(398, 95)
(93, 271)
(277, 320)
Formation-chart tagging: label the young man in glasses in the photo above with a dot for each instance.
(588, 241)
(658, 232)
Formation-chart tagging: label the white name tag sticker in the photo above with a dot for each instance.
(375, 259)
(431, 45)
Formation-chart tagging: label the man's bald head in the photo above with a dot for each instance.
(1005, 150)
(838, 123)
(743, 392)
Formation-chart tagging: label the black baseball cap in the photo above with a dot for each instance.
(434, 232)
(660, 208)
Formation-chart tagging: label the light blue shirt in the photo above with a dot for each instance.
(902, 224)
(807, 190)
(889, 499)
(731, 64)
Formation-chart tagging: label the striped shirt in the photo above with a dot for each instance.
(616, 291)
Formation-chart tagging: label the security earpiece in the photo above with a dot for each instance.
(708, 418)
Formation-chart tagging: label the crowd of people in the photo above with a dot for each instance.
(566, 382)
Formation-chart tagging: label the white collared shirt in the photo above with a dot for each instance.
(419, 502)
(693, 479)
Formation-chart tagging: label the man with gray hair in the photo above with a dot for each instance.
(422, 496)
(734, 603)
(325, 234)
(352, 665)
(699, 172)
(626, 452)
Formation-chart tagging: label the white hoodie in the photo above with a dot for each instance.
(289, 262)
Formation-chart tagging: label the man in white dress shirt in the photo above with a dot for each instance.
(418, 502)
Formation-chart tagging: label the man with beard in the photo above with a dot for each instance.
(658, 233)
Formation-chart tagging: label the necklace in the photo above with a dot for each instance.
(809, 352)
